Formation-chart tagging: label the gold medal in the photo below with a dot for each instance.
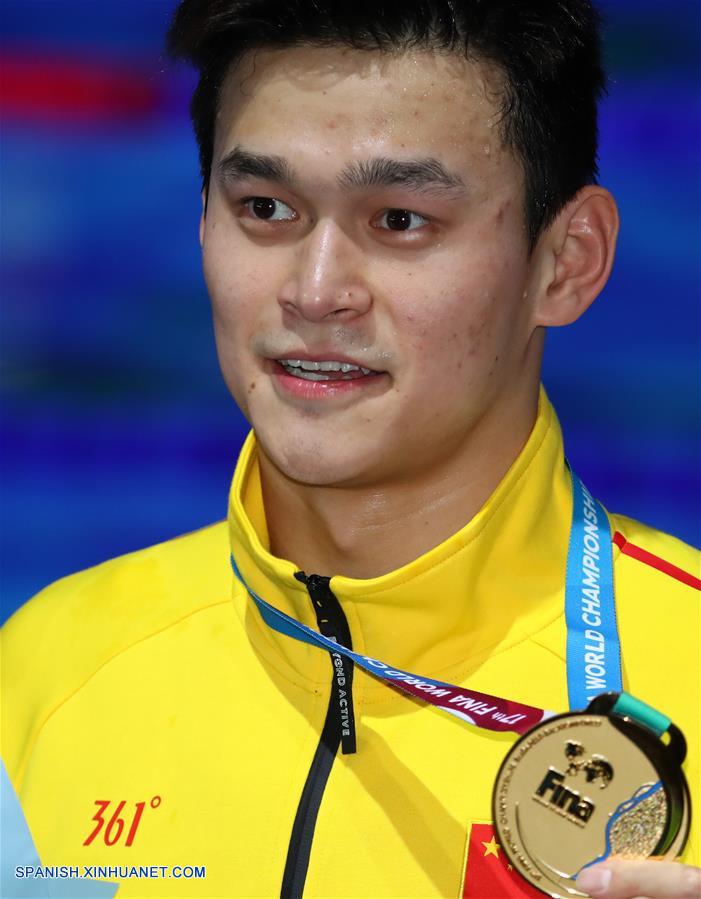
(582, 786)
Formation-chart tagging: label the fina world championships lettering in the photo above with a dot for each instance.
(595, 645)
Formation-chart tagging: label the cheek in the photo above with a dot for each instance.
(234, 303)
(466, 323)
(451, 320)
(233, 290)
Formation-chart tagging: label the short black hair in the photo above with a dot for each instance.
(548, 52)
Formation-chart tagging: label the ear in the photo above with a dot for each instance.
(577, 253)
(203, 196)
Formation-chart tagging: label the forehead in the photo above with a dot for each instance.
(343, 103)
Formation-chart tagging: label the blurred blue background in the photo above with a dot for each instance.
(117, 431)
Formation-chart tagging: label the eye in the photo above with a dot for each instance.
(269, 209)
(400, 220)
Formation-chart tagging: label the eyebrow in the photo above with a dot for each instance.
(240, 164)
(424, 175)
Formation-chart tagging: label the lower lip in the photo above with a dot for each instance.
(313, 390)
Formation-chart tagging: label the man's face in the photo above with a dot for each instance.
(362, 210)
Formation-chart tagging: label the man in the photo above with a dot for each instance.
(397, 203)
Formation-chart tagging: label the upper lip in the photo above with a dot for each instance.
(330, 356)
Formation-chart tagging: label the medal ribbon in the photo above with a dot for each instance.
(593, 646)
(482, 709)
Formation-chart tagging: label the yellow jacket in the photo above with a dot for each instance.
(152, 679)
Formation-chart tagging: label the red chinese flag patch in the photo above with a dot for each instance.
(488, 874)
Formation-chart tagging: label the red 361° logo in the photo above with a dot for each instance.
(114, 825)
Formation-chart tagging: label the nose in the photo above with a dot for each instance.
(326, 282)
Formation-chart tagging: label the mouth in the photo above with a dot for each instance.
(325, 370)
(324, 381)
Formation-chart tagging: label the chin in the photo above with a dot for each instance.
(320, 464)
(320, 471)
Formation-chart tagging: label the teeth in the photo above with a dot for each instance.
(331, 365)
(311, 375)
(315, 371)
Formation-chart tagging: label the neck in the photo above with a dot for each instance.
(365, 532)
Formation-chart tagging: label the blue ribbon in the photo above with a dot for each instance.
(593, 645)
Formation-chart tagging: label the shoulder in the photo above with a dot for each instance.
(141, 591)
(659, 616)
(645, 553)
(57, 640)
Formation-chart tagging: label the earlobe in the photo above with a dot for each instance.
(581, 245)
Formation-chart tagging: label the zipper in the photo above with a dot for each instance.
(339, 729)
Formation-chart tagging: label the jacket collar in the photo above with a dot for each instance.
(492, 584)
